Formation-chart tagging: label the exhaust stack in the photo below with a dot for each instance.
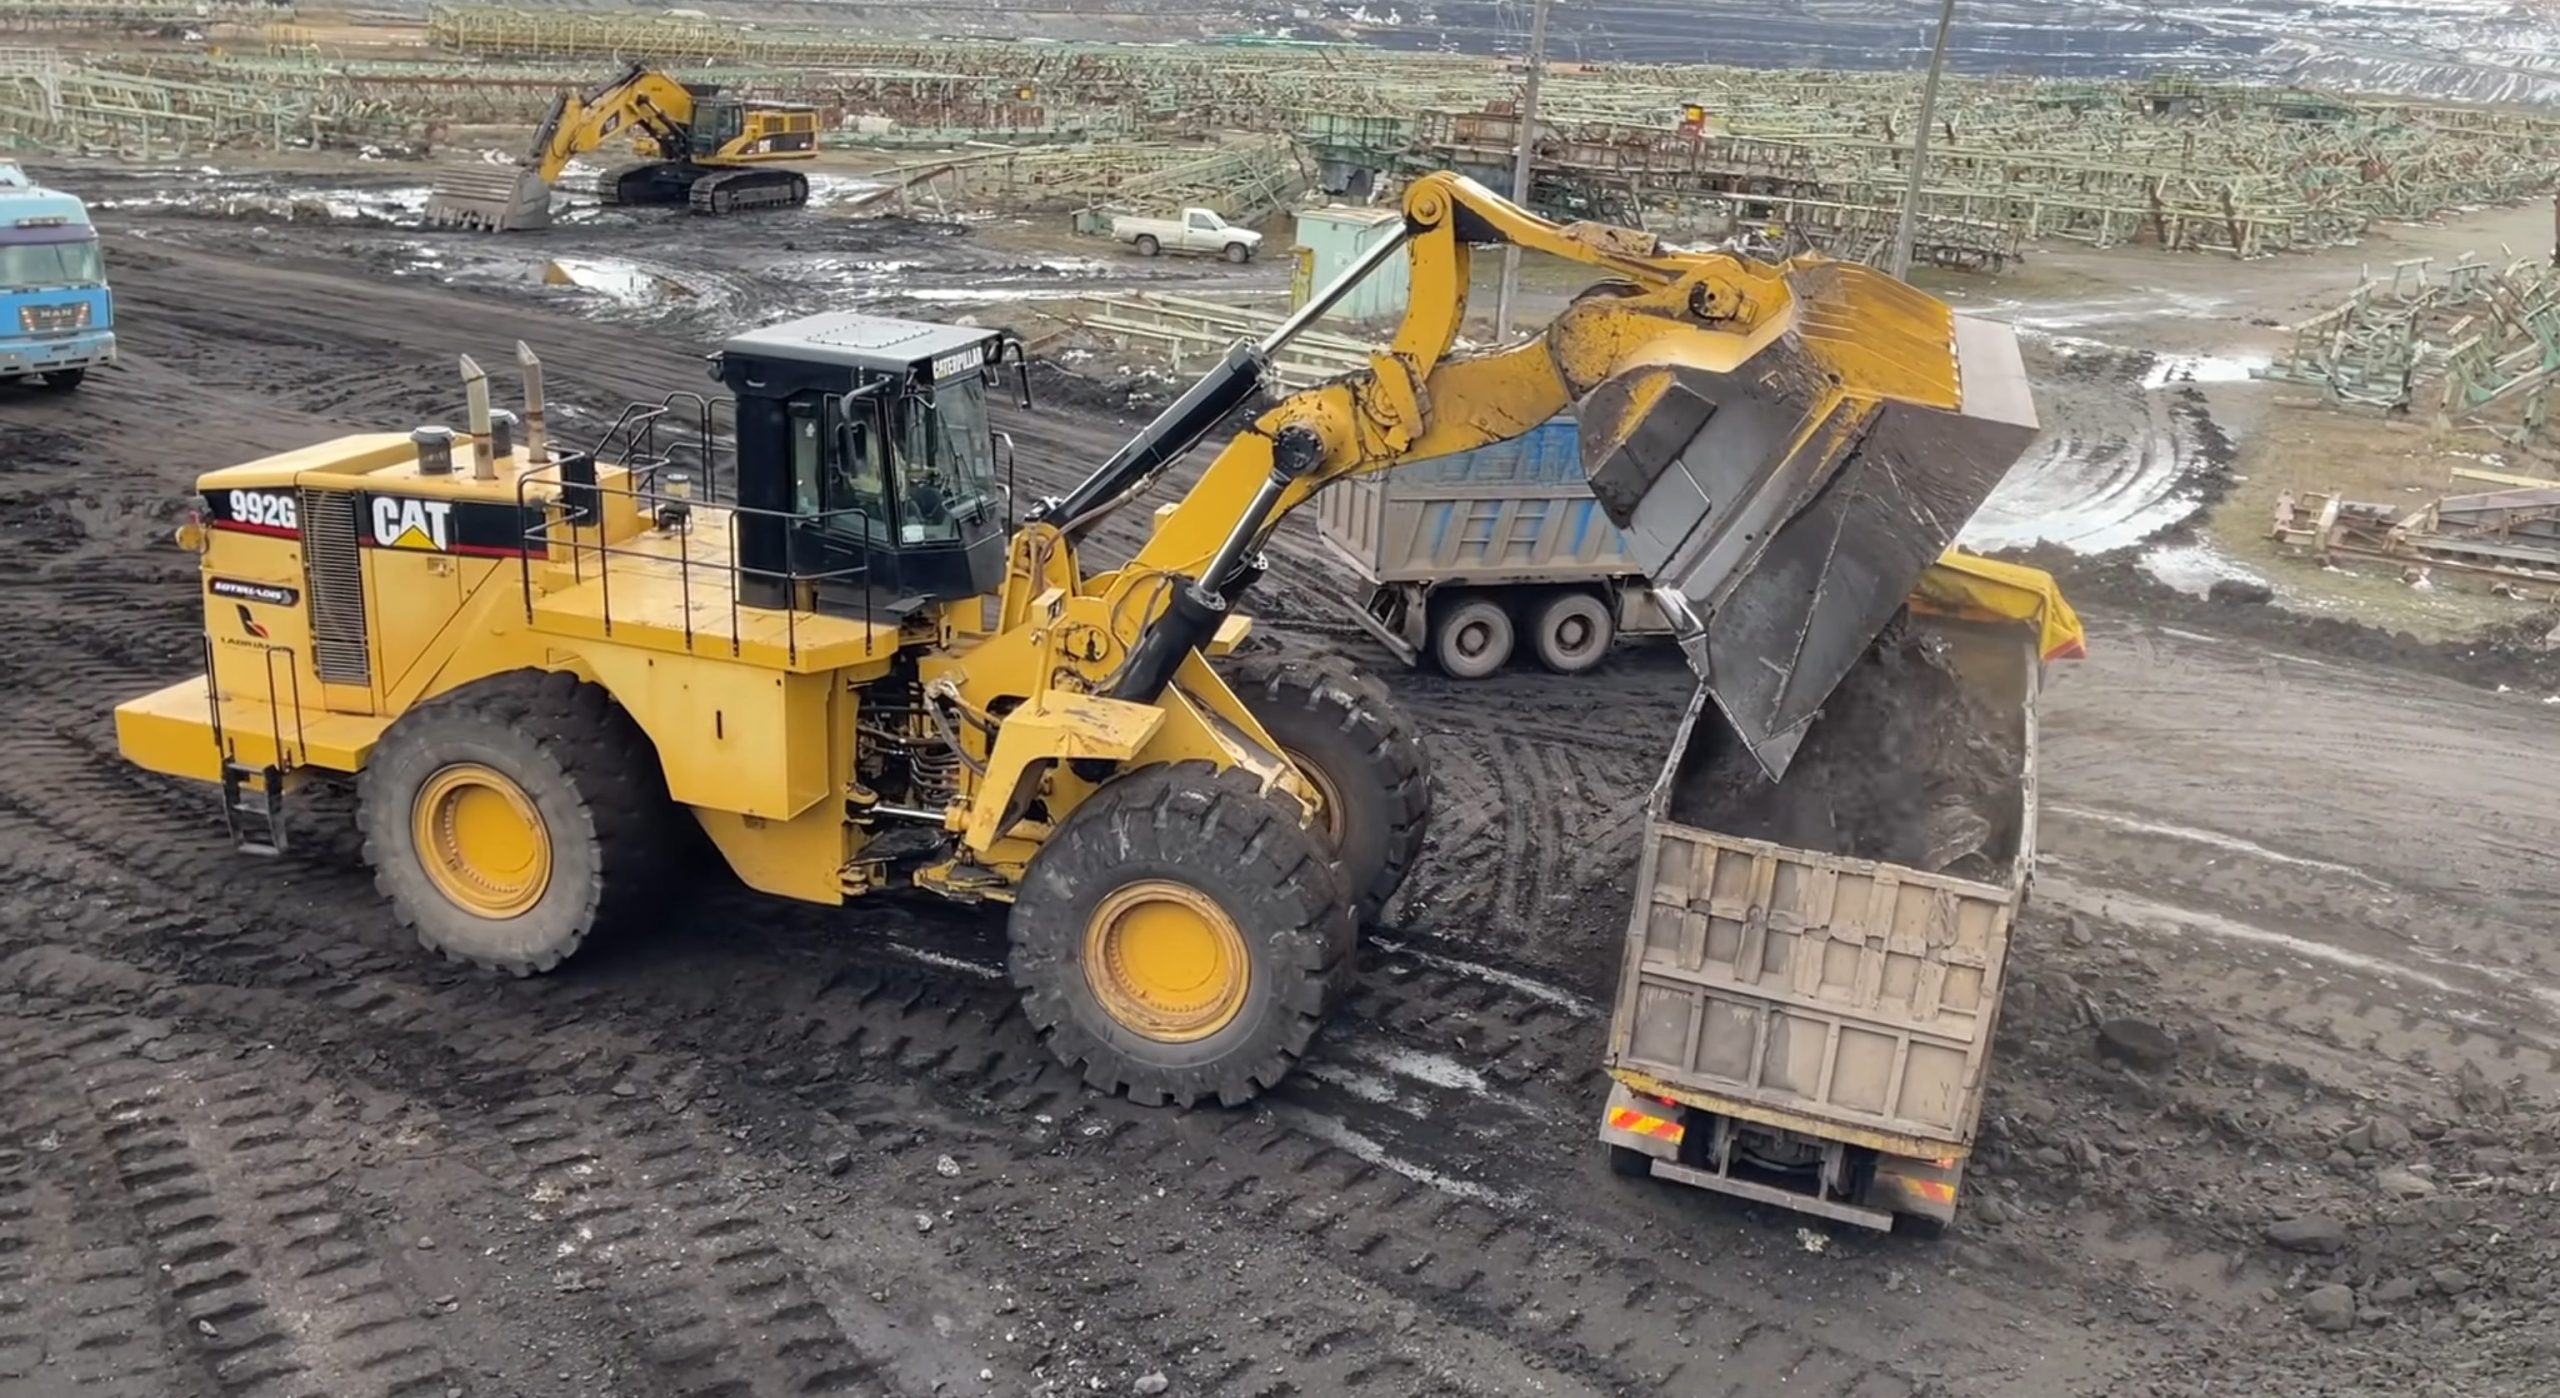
(475, 387)
(537, 439)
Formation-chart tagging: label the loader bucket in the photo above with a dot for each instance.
(1785, 506)
(491, 198)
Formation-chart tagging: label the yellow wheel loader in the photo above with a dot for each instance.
(713, 151)
(830, 648)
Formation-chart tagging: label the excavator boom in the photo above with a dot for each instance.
(1789, 447)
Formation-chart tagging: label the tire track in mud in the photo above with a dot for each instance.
(74, 1312)
(235, 1239)
(2432, 948)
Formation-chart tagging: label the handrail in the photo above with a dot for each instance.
(275, 723)
(551, 513)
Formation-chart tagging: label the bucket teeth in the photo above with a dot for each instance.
(492, 199)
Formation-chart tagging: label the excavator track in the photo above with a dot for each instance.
(733, 191)
(646, 182)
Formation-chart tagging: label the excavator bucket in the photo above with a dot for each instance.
(490, 198)
(1785, 505)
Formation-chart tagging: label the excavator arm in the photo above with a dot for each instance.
(639, 98)
(1788, 447)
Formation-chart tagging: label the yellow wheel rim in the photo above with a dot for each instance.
(482, 842)
(1166, 962)
(1328, 797)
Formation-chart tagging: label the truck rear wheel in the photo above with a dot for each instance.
(510, 819)
(1180, 937)
(1571, 631)
(1148, 246)
(1364, 758)
(1471, 638)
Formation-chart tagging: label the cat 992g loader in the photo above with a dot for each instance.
(836, 655)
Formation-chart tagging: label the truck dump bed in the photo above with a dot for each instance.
(1772, 975)
(1513, 512)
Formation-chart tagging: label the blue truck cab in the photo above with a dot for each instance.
(57, 319)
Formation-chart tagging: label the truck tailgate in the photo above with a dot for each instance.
(1815, 992)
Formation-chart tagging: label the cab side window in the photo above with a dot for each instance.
(855, 482)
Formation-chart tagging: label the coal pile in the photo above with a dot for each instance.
(1912, 761)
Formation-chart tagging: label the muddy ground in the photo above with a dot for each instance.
(255, 1144)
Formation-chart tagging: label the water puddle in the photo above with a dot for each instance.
(2195, 568)
(622, 282)
(2203, 368)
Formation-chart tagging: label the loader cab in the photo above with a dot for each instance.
(866, 461)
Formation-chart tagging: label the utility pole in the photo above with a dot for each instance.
(1520, 166)
(1920, 145)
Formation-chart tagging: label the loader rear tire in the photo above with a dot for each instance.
(509, 820)
(1180, 937)
(1363, 756)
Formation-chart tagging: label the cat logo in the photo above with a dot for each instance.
(423, 525)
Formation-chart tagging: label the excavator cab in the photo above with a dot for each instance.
(870, 436)
(717, 121)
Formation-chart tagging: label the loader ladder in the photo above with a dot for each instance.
(253, 798)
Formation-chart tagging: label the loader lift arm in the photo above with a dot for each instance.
(1790, 446)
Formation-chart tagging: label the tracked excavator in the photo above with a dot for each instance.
(713, 151)
(797, 614)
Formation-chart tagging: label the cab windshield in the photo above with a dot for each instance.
(44, 266)
(946, 462)
(716, 124)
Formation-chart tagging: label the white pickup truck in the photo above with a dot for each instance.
(1198, 230)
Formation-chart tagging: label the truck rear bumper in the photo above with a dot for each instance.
(83, 351)
(1897, 1186)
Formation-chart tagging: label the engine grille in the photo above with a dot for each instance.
(336, 574)
(55, 319)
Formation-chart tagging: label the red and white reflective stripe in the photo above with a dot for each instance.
(1629, 1119)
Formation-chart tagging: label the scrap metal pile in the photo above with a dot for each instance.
(1791, 159)
(2476, 347)
(2492, 527)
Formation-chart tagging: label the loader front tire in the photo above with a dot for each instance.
(512, 818)
(1363, 757)
(1180, 937)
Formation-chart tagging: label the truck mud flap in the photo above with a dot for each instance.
(1783, 515)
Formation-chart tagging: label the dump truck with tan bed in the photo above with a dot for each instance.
(1797, 1021)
